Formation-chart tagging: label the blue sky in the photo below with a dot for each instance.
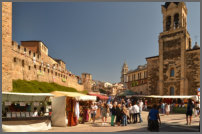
(97, 37)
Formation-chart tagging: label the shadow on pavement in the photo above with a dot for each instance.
(168, 128)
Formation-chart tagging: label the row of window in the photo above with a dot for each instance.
(137, 83)
(139, 76)
(30, 52)
(40, 68)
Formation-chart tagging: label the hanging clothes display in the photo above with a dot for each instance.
(86, 114)
(77, 109)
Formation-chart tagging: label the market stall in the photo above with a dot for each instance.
(24, 112)
(177, 100)
(65, 107)
(100, 97)
(127, 93)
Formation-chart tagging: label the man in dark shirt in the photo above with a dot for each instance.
(113, 114)
(118, 114)
(153, 118)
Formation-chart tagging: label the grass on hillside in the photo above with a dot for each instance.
(24, 86)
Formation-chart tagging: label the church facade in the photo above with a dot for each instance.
(176, 70)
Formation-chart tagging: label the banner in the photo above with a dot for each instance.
(39, 72)
(7, 103)
(36, 103)
(22, 104)
(64, 80)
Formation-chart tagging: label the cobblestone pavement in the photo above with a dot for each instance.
(170, 123)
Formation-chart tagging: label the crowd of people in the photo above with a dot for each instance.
(122, 112)
(128, 111)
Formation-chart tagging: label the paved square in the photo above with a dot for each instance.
(170, 123)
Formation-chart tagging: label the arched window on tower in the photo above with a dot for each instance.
(168, 22)
(172, 72)
(176, 20)
(172, 91)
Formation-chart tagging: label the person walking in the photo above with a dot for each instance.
(93, 111)
(167, 108)
(163, 108)
(113, 114)
(136, 112)
(110, 107)
(198, 108)
(189, 111)
(153, 119)
(118, 114)
(104, 110)
(124, 116)
(130, 108)
(140, 110)
(145, 105)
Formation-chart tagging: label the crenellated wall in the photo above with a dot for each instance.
(27, 65)
(30, 60)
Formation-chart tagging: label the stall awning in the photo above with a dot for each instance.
(173, 97)
(12, 96)
(102, 97)
(77, 96)
(127, 93)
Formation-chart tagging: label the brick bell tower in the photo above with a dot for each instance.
(173, 43)
(6, 46)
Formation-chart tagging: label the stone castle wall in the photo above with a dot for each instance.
(87, 81)
(20, 62)
(6, 46)
(26, 66)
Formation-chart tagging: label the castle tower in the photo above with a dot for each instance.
(6, 46)
(124, 72)
(87, 81)
(173, 43)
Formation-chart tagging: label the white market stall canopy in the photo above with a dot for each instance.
(173, 97)
(11, 96)
(77, 96)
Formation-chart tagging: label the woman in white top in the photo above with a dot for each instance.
(35, 114)
(167, 109)
(93, 111)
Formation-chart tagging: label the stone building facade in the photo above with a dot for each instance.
(30, 60)
(136, 80)
(176, 70)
